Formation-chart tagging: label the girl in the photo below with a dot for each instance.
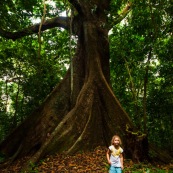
(114, 155)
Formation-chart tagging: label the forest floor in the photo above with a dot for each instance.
(88, 162)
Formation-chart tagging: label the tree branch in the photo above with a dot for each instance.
(76, 5)
(63, 22)
(123, 14)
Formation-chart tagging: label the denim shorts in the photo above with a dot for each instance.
(113, 169)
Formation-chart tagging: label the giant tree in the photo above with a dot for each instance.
(82, 111)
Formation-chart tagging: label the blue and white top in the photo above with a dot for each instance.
(115, 156)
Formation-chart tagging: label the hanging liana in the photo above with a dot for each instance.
(39, 31)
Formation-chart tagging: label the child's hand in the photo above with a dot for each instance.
(109, 162)
(122, 167)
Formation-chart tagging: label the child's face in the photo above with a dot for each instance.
(116, 141)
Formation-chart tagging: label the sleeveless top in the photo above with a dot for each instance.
(115, 156)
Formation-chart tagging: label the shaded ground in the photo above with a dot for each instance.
(89, 162)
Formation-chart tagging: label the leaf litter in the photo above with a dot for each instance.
(84, 162)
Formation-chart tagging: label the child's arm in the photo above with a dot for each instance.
(121, 160)
(108, 156)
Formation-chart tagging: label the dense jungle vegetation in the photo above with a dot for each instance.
(141, 61)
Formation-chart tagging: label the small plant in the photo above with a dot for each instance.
(2, 157)
(107, 166)
(33, 168)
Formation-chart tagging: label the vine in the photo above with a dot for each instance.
(39, 31)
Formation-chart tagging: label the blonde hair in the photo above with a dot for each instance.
(113, 138)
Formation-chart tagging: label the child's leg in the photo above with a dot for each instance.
(112, 169)
(118, 170)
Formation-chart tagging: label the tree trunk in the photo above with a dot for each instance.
(82, 119)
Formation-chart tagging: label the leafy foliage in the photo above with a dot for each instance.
(141, 49)
(25, 80)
